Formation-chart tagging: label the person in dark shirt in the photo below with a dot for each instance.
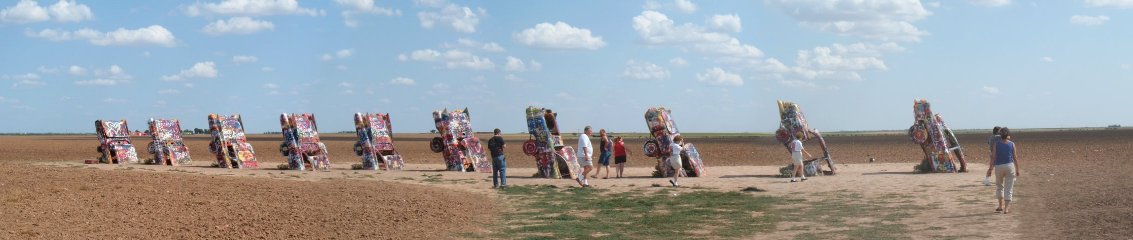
(496, 146)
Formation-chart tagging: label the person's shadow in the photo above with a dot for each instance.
(752, 176)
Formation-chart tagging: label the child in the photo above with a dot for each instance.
(675, 159)
(796, 147)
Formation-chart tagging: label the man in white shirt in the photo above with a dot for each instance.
(675, 159)
(585, 156)
(796, 147)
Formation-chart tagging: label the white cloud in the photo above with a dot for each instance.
(345, 84)
(991, 3)
(28, 11)
(114, 75)
(453, 59)
(251, 8)
(934, 4)
(340, 54)
(460, 18)
(98, 82)
(1110, 3)
(272, 88)
(718, 77)
(489, 47)
(885, 20)
(730, 23)
(25, 11)
(644, 71)
(114, 72)
(357, 7)
(244, 59)
(517, 65)
(657, 29)
(678, 62)
(47, 70)
(205, 69)
(990, 90)
(559, 35)
(237, 25)
(70, 11)
(113, 100)
(429, 3)
(843, 61)
(267, 69)
(685, 6)
(512, 78)
(152, 35)
(1089, 20)
(404, 81)
(1046, 59)
(28, 79)
(168, 91)
(77, 70)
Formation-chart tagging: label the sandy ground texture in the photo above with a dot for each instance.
(1075, 184)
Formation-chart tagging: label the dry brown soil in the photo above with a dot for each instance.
(1074, 185)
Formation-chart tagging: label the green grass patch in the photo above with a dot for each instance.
(548, 212)
(850, 215)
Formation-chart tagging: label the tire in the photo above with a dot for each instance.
(530, 148)
(358, 148)
(437, 145)
(284, 149)
(651, 148)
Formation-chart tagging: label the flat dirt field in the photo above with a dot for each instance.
(1074, 185)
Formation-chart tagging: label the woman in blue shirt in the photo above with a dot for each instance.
(1006, 166)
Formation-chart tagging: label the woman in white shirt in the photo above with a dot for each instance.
(796, 147)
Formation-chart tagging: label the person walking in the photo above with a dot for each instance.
(496, 146)
(585, 156)
(620, 154)
(605, 148)
(1006, 166)
(796, 147)
(675, 159)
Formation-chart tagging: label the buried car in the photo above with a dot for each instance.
(940, 146)
(552, 157)
(663, 129)
(114, 142)
(461, 148)
(229, 143)
(167, 146)
(375, 142)
(301, 144)
(793, 122)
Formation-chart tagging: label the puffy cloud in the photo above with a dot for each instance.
(77, 70)
(725, 22)
(251, 8)
(152, 35)
(244, 59)
(678, 62)
(237, 25)
(429, 3)
(70, 11)
(718, 77)
(453, 59)
(1089, 20)
(517, 65)
(644, 71)
(886, 20)
(47, 70)
(991, 3)
(28, 11)
(404, 81)
(1110, 3)
(267, 69)
(460, 18)
(1046, 59)
(114, 75)
(657, 29)
(492, 47)
(358, 7)
(990, 90)
(205, 69)
(559, 35)
(685, 6)
(25, 11)
(843, 61)
(168, 91)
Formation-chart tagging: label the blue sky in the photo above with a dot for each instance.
(720, 65)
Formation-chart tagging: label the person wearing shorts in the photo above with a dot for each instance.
(585, 155)
(604, 154)
(675, 159)
(796, 147)
(620, 155)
